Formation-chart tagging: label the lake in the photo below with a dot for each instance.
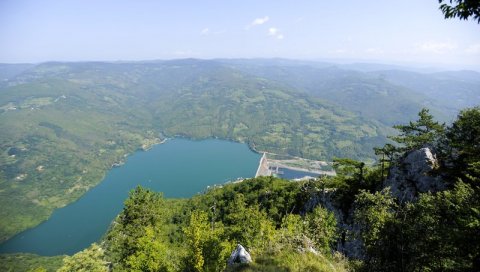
(179, 168)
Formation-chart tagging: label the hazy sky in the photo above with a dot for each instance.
(381, 30)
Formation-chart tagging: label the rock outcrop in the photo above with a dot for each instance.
(239, 255)
(350, 246)
(414, 174)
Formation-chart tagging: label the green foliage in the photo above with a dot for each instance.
(199, 234)
(119, 107)
(292, 231)
(463, 142)
(141, 208)
(387, 156)
(206, 250)
(142, 211)
(38, 269)
(88, 260)
(249, 225)
(196, 233)
(463, 9)
(443, 230)
(349, 168)
(436, 233)
(29, 262)
(66, 139)
(150, 255)
(372, 213)
(352, 177)
(269, 194)
(322, 229)
(418, 133)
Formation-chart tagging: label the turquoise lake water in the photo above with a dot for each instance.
(295, 174)
(178, 168)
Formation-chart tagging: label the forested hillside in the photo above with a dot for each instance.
(304, 226)
(65, 124)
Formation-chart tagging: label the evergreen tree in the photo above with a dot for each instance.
(463, 142)
(418, 133)
(142, 210)
(388, 155)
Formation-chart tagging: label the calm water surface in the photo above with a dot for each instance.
(178, 168)
(295, 174)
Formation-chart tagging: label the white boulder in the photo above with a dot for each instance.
(239, 255)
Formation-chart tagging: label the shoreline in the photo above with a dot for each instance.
(263, 169)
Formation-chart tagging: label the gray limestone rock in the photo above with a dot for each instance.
(414, 175)
(239, 255)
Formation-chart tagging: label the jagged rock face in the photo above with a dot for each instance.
(239, 255)
(349, 245)
(414, 175)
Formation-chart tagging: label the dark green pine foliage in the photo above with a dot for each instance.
(418, 133)
(463, 143)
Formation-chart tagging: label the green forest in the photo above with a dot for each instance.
(348, 222)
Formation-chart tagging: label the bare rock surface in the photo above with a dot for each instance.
(239, 255)
(414, 174)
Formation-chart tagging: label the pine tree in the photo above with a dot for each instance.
(418, 133)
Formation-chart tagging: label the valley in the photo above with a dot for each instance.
(64, 125)
(179, 168)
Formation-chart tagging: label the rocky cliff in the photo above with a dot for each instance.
(414, 174)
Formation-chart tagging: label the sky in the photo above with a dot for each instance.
(407, 31)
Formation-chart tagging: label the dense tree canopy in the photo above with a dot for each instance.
(88, 260)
